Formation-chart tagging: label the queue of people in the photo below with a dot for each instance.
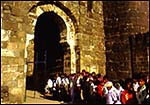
(91, 88)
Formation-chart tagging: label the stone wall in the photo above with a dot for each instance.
(121, 20)
(14, 23)
(90, 34)
(91, 37)
(99, 26)
(140, 53)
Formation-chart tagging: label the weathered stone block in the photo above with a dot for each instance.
(12, 45)
(21, 34)
(4, 93)
(8, 25)
(4, 44)
(16, 95)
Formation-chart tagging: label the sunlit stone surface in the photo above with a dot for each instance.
(96, 39)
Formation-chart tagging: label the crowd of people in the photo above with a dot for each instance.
(91, 88)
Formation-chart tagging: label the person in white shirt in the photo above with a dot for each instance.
(105, 90)
(135, 84)
(48, 87)
(111, 96)
(119, 90)
(58, 80)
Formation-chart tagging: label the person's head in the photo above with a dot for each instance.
(142, 80)
(109, 85)
(93, 74)
(117, 85)
(87, 73)
(78, 74)
(83, 71)
(57, 74)
(105, 78)
(62, 76)
(99, 75)
(90, 80)
(128, 84)
(134, 80)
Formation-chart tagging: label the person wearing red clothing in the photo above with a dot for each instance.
(100, 88)
(128, 95)
(100, 96)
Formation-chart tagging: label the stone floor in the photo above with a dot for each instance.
(33, 97)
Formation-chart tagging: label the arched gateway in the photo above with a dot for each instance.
(46, 17)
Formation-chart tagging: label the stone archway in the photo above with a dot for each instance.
(67, 38)
(70, 37)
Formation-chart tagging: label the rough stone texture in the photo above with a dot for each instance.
(140, 53)
(4, 94)
(121, 20)
(103, 36)
(12, 53)
(92, 36)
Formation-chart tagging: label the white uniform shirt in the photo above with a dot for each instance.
(105, 90)
(58, 81)
(67, 81)
(50, 83)
(119, 92)
(135, 86)
(78, 81)
(111, 97)
(64, 81)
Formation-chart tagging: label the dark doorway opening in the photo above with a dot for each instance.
(47, 37)
(48, 51)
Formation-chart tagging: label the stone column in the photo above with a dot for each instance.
(73, 59)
